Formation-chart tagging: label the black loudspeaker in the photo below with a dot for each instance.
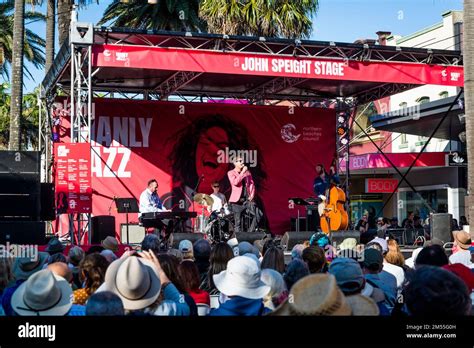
(249, 236)
(20, 185)
(102, 227)
(136, 233)
(192, 237)
(290, 239)
(339, 236)
(440, 226)
(47, 212)
(19, 207)
(23, 232)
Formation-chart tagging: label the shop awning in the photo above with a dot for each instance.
(423, 119)
(372, 161)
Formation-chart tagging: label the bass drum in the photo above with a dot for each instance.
(220, 230)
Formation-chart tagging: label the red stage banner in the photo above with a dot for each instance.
(73, 178)
(380, 185)
(187, 146)
(146, 57)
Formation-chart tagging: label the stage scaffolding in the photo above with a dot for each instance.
(75, 76)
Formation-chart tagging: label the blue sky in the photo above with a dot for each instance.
(336, 20)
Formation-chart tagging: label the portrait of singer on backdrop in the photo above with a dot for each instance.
(200, 157)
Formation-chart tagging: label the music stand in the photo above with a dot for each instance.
(299, 201)
(125, 206)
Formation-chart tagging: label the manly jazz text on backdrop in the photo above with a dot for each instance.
(187, 146)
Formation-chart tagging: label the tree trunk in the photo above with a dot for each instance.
(17, 75)
(64, 20)
(468, 52)
(50, 23)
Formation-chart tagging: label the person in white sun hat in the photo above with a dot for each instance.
(241, 284)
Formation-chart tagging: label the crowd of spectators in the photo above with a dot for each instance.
(370, 277)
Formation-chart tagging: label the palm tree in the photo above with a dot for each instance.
(50, 33)
(468, 52)
(271, 18)
(33, 44)
(17, 74)
(165, 15)
(29, 119)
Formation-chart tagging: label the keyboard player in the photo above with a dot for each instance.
(150, 202)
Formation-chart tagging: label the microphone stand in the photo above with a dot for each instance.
(193, 194)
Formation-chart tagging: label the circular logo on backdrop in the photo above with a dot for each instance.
(287, 133)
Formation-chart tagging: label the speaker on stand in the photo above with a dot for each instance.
(440, 227)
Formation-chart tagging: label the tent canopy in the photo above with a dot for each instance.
(161, 64)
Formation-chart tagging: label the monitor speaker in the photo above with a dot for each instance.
(290, 239)
(250, 237)
(338, 236)
(23, 232)
(102, 227)
(441, 225)
(136, 233)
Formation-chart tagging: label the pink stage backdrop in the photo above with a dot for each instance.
(178, 143)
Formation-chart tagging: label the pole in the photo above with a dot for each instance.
(468, 58)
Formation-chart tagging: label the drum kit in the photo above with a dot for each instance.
(218, 226)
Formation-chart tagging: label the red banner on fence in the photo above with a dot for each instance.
(73, 178)
(175, 59)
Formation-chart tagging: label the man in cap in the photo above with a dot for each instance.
(186, 248)
(351, 281)
(372, 266)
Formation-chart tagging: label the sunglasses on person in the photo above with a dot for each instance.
(216, 186)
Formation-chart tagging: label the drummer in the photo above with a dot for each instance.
(219, 206)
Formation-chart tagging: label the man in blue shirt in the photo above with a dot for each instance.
(323, 180)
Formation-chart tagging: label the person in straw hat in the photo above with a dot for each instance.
(319, 295)
(139, 281)
(43, 294)
(461, 253)
(241, 284)
(23, 268)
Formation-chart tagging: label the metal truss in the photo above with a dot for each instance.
(81, 40)
(81, 93)
(380, 92)
(292, 47)
(175, 82)
(272, 87)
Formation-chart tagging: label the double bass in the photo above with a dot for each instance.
(333, 216)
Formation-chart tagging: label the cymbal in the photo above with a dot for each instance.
(203, 199)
